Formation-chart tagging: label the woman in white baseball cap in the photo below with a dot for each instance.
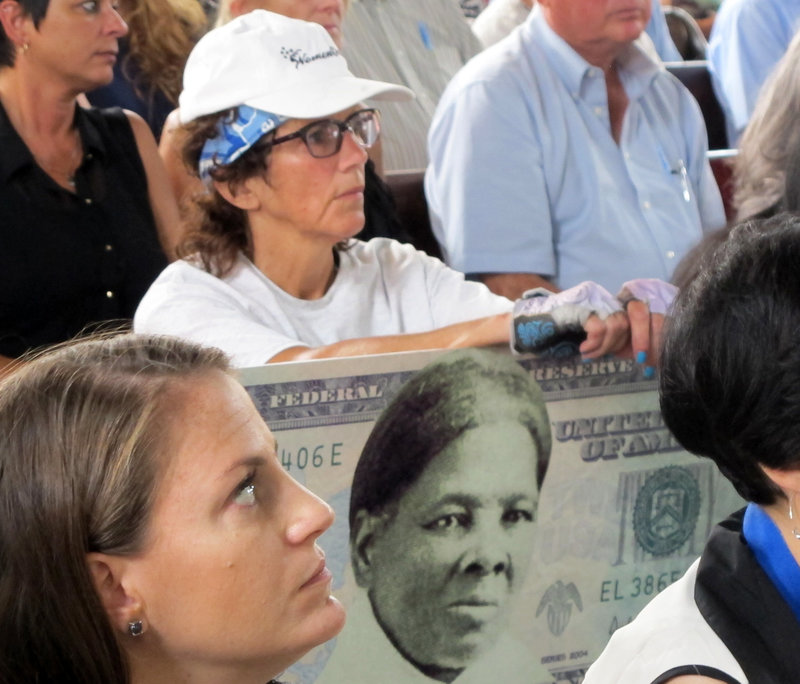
(381, 216)
(276, 128)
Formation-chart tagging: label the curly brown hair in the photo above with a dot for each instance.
(161, 35)
(219, 230)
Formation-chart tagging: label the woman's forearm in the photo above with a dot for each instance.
(481, 332)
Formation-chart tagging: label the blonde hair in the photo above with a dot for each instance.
(162, 34)
(770, 139)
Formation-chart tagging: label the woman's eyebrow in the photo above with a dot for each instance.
(458, 498)
(248, 461)
(514, 499)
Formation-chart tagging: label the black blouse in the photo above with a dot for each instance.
(71, 260)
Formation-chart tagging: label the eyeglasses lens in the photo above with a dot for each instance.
(325, 139)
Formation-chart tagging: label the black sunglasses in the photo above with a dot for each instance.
(324, 138)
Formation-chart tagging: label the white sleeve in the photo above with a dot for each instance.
(454, 299)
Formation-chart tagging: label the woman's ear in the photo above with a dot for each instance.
(239, 195)
(366, 528)
(788, 480)
(14, 23)
(122, 606)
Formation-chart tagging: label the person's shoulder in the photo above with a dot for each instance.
(734, 16)
(668, 88)
(389, 257)
(669, 632)
(498, 68)
(191, 270)
(109, 121)
(186, 280)
(378, 249)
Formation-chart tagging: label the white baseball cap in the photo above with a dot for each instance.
(288, 67)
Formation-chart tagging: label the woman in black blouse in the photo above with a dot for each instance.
(86, 215)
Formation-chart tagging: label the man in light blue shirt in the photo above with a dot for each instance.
(748, 39)
(564, 154)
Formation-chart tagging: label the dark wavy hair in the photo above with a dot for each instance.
(35, 9)
(82, 429)
(730, 369)
(219, 230)
(460, 391)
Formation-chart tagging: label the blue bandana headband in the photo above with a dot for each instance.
(235, 137)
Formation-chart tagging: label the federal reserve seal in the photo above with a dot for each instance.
(666, 510)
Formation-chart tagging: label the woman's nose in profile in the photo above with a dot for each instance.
(308, 515)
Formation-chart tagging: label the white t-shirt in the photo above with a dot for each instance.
(382, 287)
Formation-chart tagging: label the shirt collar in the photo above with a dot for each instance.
(773, 555)
(635, 68)
(16, 154)
(90, 135)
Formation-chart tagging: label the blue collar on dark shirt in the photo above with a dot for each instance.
(769, 547)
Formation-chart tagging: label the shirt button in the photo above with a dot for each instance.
(88, 200)
(646, 204)
(627, 156)
(109, 294)
(109, 248)
(598, 111)
(670, 254)
(90, 156)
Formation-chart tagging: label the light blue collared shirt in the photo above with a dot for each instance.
(748, 39)
(658, 31)
(526, 177)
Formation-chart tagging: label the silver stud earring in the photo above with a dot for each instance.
(795, 531)
(135, 628)
(25, 47)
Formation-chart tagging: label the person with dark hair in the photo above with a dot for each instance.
(149, 534)
(729, 384)
(86, 215)
(380, 212)
(442, 518)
